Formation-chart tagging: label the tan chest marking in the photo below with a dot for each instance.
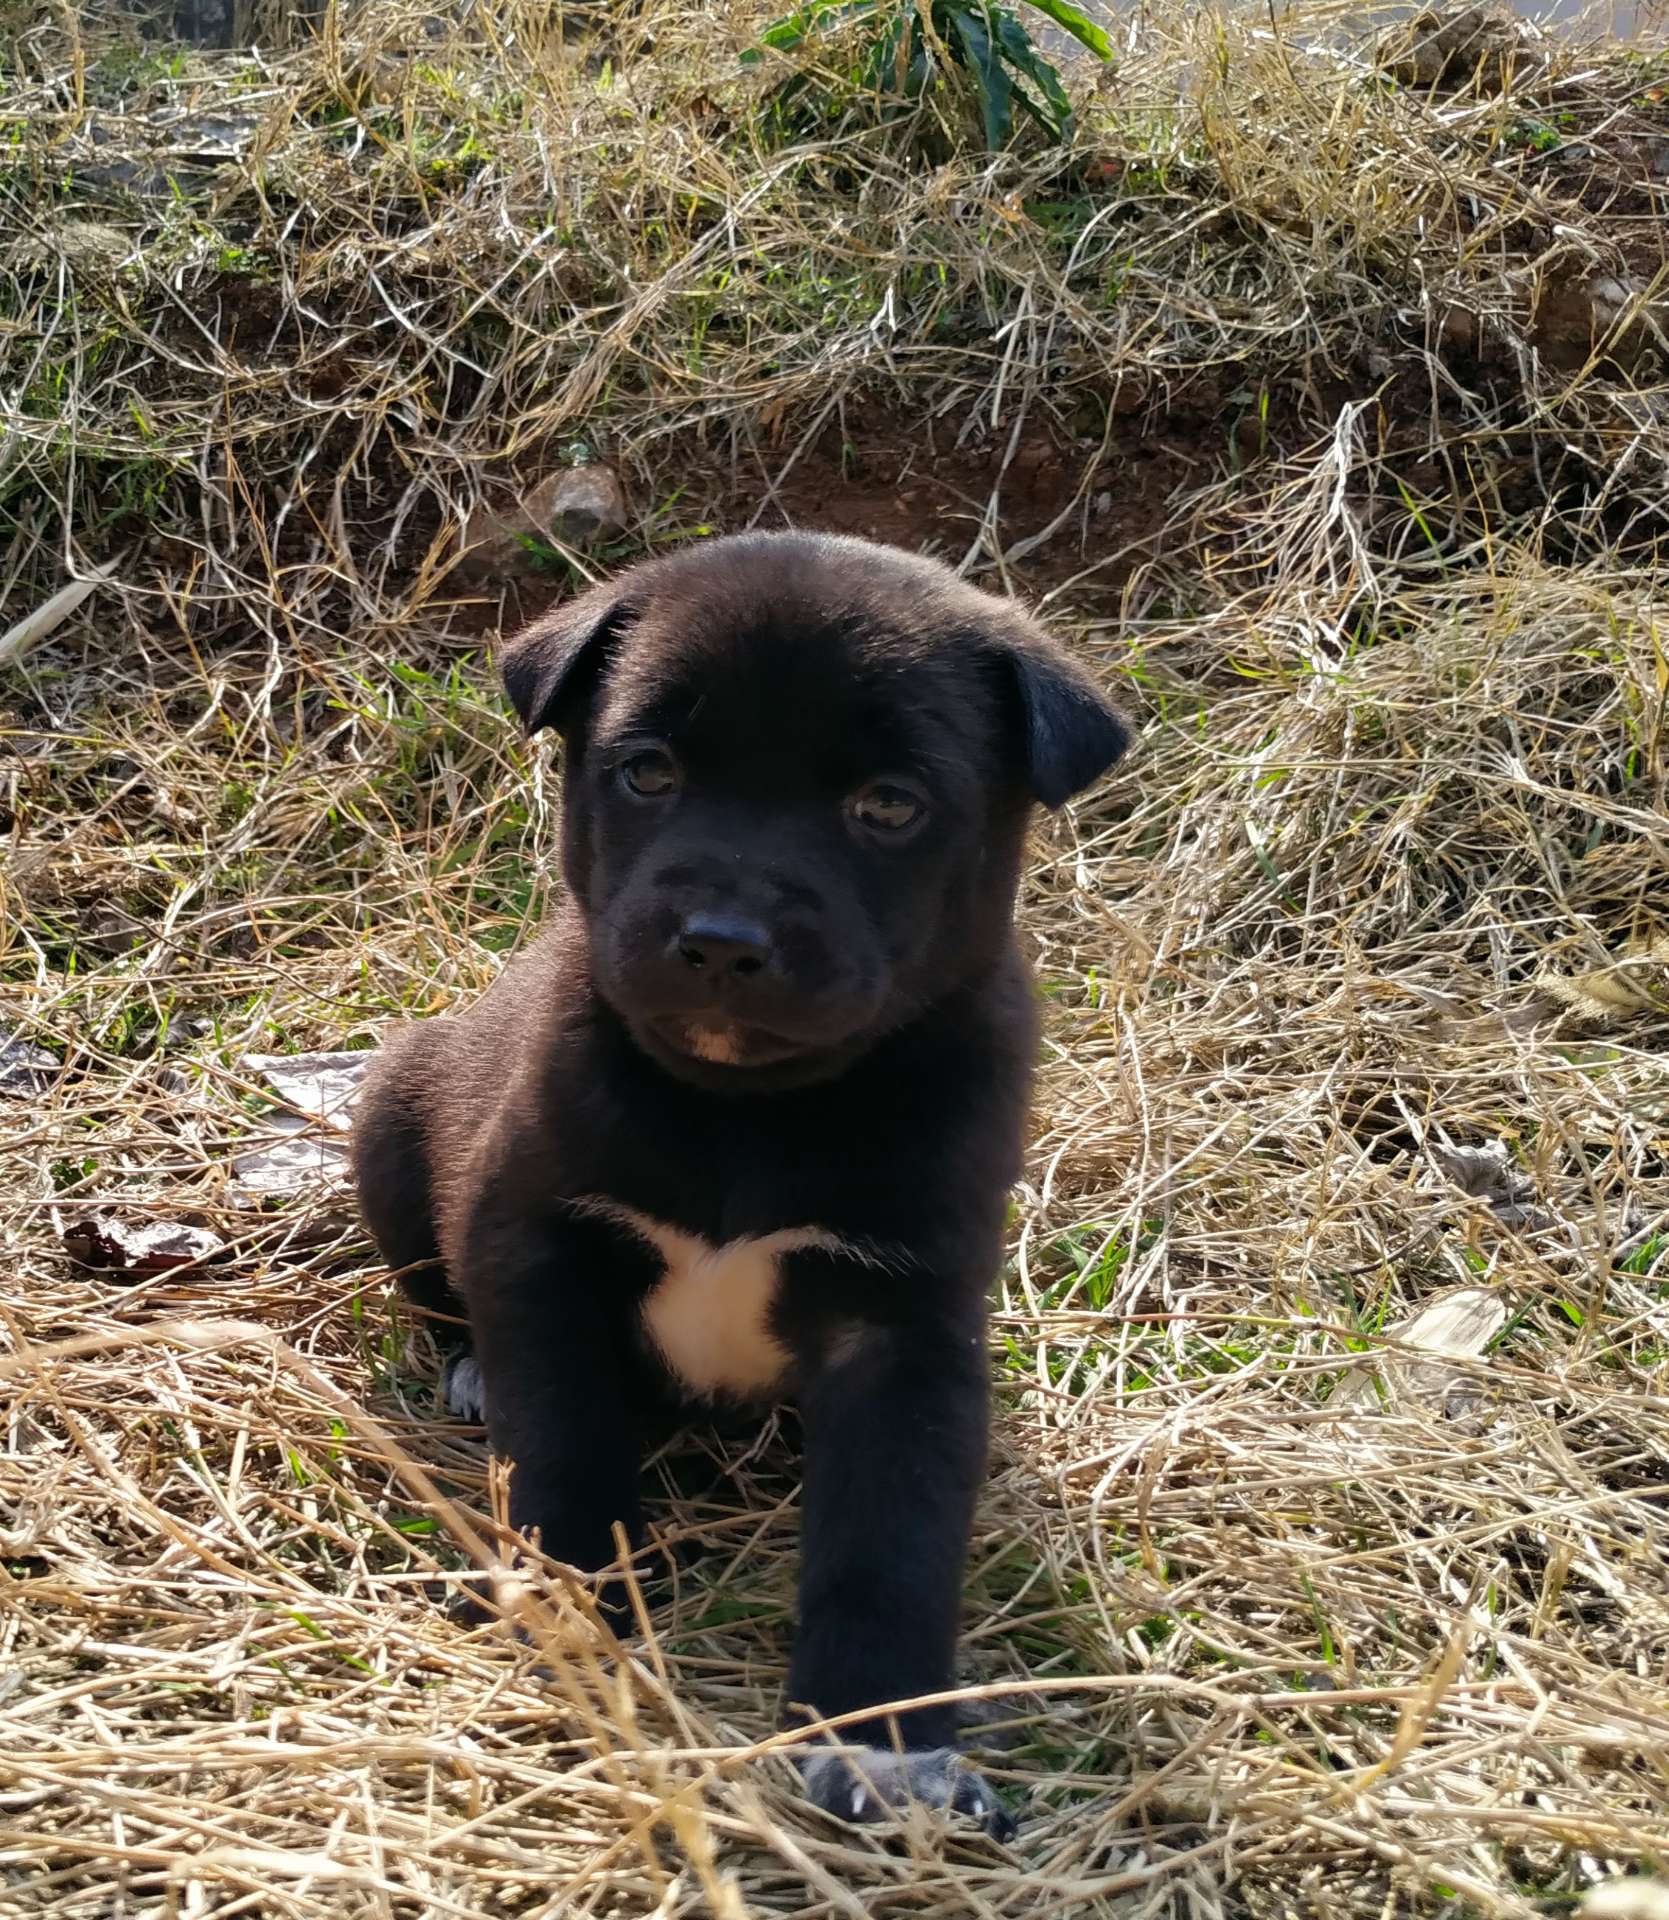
(708, 1316)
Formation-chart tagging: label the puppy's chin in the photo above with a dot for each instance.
(727, 1058)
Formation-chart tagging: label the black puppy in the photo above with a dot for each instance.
(741, 1125)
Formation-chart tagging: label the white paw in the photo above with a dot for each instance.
(866, 1783)
(462, 1390)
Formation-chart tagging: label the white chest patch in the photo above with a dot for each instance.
(708, 1316)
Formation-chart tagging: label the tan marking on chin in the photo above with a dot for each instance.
(713, 1044)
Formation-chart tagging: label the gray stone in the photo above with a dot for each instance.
(583, 506)
(577, 507)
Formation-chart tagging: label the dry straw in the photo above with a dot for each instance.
(1325, 1564)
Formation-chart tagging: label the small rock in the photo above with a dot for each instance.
(1608, 297)
(1460, 329)
(578, 507)
(582, 506)
(1464, 333)
(495, 544)
(1482, 44)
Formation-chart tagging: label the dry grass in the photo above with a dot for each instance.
(1357, 974)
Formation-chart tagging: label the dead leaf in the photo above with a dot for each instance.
(1489, 1173)
(322, 1085)
(303, 1154)
(24, 1069)
(1456, 1326)
(1640, 1899)
(51, 614)
(1637, 981)
(303, 1148)
(138, 1249)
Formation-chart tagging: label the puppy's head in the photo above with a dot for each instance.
(797, 774)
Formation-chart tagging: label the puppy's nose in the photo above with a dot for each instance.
(724, 943)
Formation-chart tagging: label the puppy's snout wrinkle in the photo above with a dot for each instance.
(724, 944)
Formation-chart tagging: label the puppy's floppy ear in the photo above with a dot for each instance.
(1071, 733)
(552, 668)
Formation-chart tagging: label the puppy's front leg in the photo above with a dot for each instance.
(895, 1431)
(557, 1402)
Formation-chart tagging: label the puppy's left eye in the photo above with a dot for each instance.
(886, 808)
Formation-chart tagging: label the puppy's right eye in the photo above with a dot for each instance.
(650, 774)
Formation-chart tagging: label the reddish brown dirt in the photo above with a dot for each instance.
(913, 485)
(1111, 501)
(909, 483)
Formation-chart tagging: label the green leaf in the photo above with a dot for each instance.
(879, 72)
(1024, 57)
(991, 83)
(1077, 23)
(789, 33)
(786, 36)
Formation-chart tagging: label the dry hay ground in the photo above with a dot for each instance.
(1329, 416)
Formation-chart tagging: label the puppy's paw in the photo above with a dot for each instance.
(866, 1784)
(462, 1390)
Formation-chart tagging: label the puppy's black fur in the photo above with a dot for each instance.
(741, 1124)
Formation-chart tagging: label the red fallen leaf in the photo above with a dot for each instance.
(138, 1249)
